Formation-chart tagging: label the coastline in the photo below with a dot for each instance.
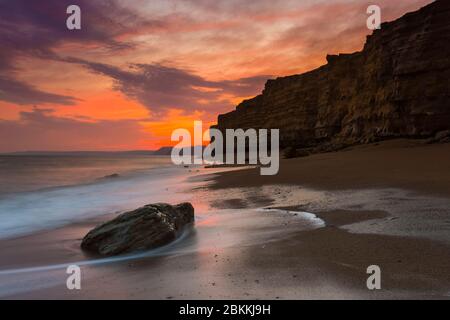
(405, 164)
(406, 228)
(240, 251)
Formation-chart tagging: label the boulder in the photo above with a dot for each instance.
(440, 137)
(145, 228)
(291, 152)
(443, 136)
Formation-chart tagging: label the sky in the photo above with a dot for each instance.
(138, 69)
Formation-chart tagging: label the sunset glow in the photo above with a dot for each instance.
(138, 70)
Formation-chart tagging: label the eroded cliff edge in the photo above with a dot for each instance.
(397, 86)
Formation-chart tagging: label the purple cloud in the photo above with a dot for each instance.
(23, 94)
(35, 28)
(160, 87)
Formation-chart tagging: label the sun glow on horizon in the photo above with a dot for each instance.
(136, 71)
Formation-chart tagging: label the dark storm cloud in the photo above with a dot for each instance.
(160, 87)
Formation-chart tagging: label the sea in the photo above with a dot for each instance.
(45, 191)
(42, 194)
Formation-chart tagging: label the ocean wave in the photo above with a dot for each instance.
(29, 212)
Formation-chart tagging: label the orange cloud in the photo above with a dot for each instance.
(191, 61)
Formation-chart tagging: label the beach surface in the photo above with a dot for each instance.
(309, 232)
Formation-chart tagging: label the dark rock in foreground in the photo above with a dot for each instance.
(145, 228)
(440, 137)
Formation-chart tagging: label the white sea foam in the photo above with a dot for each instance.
(29, 212)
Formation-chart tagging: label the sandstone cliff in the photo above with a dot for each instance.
(397, 86)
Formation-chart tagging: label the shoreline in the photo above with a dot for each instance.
(239, 251)
(404, 164)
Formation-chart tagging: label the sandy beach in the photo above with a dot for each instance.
(225, 150)
(308, 233)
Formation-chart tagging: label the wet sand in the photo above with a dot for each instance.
(382, 204)
(405, 164)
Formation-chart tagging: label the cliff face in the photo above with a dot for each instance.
(397, 86)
